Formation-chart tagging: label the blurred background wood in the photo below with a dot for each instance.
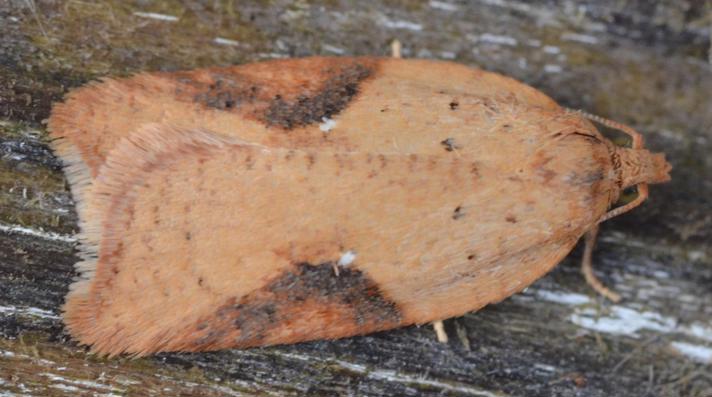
(648, 64)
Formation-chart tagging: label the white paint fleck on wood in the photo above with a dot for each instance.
(332, 49)
(400, 24)
(441, 5)
(28, 311)
(551, 68)
(565, 298)
(579, 38)
(37, 233)
(699, 353)
(157, 16)
(490, 38)
(228, 42)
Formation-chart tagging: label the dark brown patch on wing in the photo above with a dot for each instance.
(306, 303)
(284, 93)
(226, 89)
(309, 108)
(227, 93)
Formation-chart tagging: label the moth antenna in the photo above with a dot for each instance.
(635, 135)
(587, 267)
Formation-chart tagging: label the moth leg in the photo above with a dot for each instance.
(396, 49)
(587, 267)
(440, 331)
(635, 135)
(642, 195)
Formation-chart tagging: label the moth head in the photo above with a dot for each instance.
(638, 165)
(633, 165)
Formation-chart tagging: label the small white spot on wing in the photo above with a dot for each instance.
(327, 124)
(347, 258)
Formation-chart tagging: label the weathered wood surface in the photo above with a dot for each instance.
(646, 64)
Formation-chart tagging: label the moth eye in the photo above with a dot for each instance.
(617, 137)
(627, 195)
(623, 141)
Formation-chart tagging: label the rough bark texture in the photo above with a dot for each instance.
(640, 63)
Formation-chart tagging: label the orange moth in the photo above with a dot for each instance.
(315, 198)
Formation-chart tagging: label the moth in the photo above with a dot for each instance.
(318, 198)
